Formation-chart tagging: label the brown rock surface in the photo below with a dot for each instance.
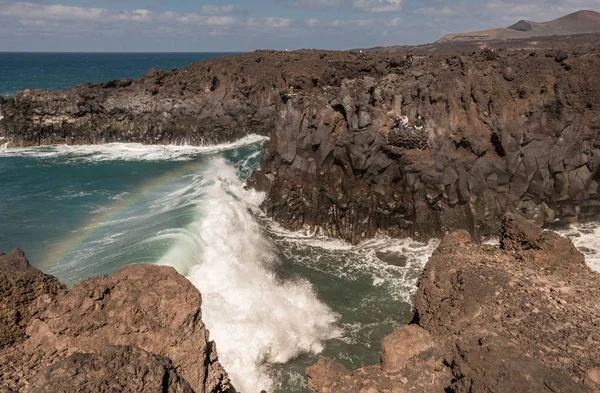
(400, 346)
(113, 369)
(149, 310)
(517, 320)
(23, 290)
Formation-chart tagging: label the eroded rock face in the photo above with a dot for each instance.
(497, 141)
(151, 313)
(113, 369)
(489, 320)
(23, 290)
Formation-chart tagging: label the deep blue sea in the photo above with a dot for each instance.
(274, 301)
(59, 71)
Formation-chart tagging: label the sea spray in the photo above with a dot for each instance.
(586, 237)
(255, 318)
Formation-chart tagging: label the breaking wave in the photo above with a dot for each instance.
(127, 151)
(255, 317)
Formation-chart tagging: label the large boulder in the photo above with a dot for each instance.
(400, 346)
(150, 307)
(139, 330)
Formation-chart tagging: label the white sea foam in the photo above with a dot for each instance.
(128, 151)
(342, 259)
(586, 237)
(255, 318)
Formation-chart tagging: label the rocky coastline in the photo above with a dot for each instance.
(139, 330)
(519, 317)
(506, 131)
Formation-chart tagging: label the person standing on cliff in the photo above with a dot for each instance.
(396, 125)
(409, 57)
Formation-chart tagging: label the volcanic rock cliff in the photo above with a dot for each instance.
(505, 131)
(137, 331)
(520, 317)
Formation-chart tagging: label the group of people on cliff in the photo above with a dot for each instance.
(403, 123)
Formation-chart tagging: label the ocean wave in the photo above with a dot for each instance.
(256, 318)
(128, 151)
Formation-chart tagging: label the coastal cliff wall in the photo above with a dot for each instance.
(515, 131)
(505, 131)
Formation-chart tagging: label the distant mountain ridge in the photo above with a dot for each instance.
(580, 22)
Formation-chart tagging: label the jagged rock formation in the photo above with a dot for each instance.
(501, 137)
(139, 331)
(181, 106)
(523, 317)
(506, 131)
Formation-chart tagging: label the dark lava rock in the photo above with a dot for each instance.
(509, 74)
(561, 56)
(113, 369)
(392, 258)
(332, 164)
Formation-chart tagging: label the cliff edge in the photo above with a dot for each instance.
(519, 317)
(137, 331)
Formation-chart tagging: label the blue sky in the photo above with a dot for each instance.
(235, 25)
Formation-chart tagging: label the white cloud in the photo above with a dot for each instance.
(215, 9)
(339, 23)
(433, 12)
(317, 3)
(312, 22)
(37, 12)
(378, 5)
(537, 10)
(276, 23)
(359, 23)
(393, 22)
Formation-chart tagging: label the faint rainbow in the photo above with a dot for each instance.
(100, 220)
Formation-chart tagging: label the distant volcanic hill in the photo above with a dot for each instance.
(580, 22)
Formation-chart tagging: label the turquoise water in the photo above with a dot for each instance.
(59, 71)
(274, 301)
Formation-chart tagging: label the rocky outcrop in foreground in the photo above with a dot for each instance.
(506, 131)
(522, 317)
(137, 331)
